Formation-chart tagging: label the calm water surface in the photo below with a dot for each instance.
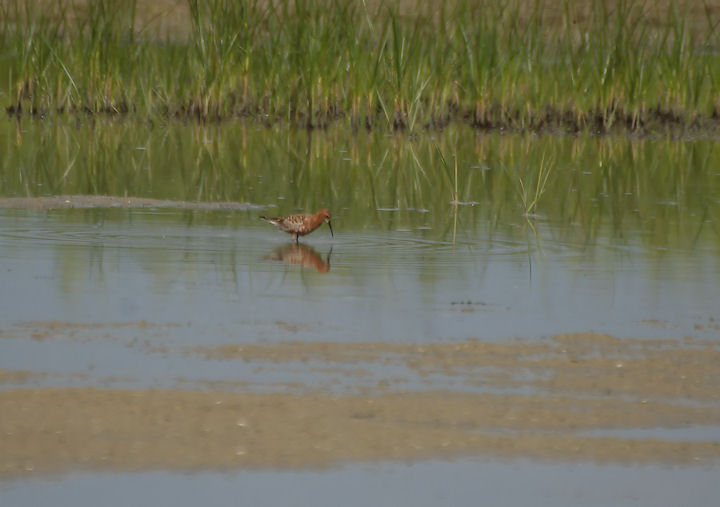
(219, 277)
(626, 241)
(463, 483)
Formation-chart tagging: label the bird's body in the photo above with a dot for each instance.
(301, 224)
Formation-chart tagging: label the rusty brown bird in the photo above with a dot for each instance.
(301, 224)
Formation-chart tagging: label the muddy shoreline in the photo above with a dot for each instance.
(51, 431)
(584, 385)
(107, 201)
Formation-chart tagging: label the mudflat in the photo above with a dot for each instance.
(585, 391)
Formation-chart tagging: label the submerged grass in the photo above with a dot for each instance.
(532, 183)
(588, 66)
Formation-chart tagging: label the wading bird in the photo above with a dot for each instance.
(301, 224)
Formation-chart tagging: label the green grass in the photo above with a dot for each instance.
(532, 183)
(311, 64)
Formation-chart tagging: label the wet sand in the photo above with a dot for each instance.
(581, 384)
(106, 201)
(48, 431)
(586, 364)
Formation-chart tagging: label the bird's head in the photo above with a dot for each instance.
(325, 215)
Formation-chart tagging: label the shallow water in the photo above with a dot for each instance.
(196, 281)
(414, 295)
(461, 483)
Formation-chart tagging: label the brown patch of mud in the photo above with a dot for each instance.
(292, 328)
(48, 431)
(59, 325)
(584, 385)
(106, 201)
(19, 376)
(660, 324)
(41, 330)
(587, 364)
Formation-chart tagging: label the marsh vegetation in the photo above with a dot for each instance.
(577, 66)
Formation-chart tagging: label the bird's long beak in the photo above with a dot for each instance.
(331, 231)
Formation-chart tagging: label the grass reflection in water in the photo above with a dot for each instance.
(669, 190)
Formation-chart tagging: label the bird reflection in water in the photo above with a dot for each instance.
(298, 254)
